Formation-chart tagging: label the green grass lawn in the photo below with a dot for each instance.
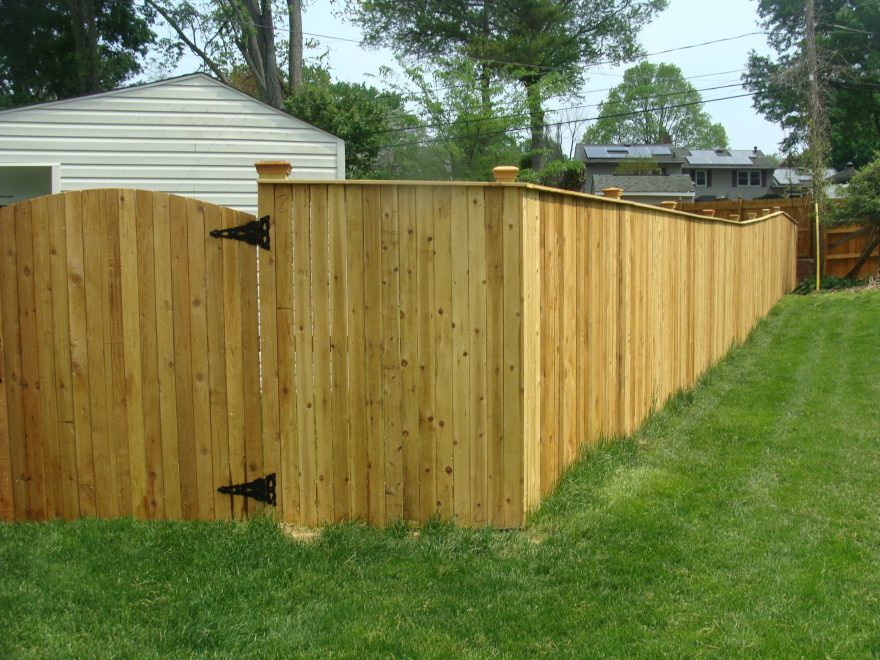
(743, 519)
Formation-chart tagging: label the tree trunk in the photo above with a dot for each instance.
(295, 45)
(865, 255)
(262, 47)
(536, 120)
(85, 39)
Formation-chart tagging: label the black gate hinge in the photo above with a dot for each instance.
(261, 489)
(255, 232)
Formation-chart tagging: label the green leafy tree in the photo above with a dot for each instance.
(860, 202)
(370, 121)
(653, 103)
(469, 136)
(542, 45)
(565, 173)
(56, 49)
(846, 35)
(238, 34)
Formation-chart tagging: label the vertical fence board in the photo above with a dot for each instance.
(409, 350)
(30, 370)
(356, 350)
(391, 370)
(513, 385)
(461, 327)
(232, 334)
(426, 353)
(46, 358)
(568, 341)
(527, 207)
(183, 377)
(114, 356)
(373, 353)
(166, 354)
(217, 385)
(287, 412)
(494, 237)
(268, 320)
(320, 292)
(444, 360)
(7, 326)
(132, 345)
(148, 330)
(305, 388)
(57, 228)
(201, 397)
(476, 439)
(336, 209)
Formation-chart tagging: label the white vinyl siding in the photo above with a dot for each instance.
(191, 135)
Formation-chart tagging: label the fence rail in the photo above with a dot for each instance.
(404, 350)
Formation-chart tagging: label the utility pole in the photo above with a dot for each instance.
(816, 121)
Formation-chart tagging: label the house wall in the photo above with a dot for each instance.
(191, 136)
(722, 185)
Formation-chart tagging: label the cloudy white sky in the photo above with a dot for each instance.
(684, 22)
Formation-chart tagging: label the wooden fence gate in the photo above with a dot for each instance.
(129, 358)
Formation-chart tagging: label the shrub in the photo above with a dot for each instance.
(565, 174)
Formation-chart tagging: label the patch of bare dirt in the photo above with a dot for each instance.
(301, 534)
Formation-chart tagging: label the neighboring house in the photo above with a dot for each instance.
(794, 181)
(726, 173)
(648, 189)
(191, 135)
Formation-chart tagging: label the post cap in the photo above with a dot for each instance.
(613, 193)
(273, 169)
(709, 213)
(505, 173)
(669, 204)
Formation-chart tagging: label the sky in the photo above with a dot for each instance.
(683, 23)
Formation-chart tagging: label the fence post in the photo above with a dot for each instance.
(505, 173)
(612, 193)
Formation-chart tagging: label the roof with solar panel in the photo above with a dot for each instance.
(664, 153)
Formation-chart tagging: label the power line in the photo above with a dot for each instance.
(427, 141)
(552, 110)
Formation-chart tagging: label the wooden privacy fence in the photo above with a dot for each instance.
(403, 350)
(838, 257)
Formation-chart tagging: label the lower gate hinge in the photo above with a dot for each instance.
(261, 489)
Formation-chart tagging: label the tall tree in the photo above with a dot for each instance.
(848, 52)
(653, 103)
(56, 49)
(543, 45)
(227, 33)
(470, 135)
(369, 120)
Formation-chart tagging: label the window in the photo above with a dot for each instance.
(700, 178)
(748, 178)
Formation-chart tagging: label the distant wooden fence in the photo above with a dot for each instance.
(412, 349)
(837, 259)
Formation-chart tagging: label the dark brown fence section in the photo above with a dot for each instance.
(839, 256)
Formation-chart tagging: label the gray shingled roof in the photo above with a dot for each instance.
(674, 183)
